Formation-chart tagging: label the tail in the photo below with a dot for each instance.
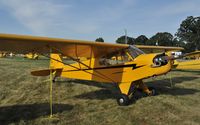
(56, 64)
(46, 72)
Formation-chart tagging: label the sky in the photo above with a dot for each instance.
(90, 19)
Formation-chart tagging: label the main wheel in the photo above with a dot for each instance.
(123, 100)
(153, 91)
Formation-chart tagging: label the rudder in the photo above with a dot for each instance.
(56, 61)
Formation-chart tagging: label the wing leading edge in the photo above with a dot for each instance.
(67, 47)
(73, 48)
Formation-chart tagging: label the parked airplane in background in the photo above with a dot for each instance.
(2, 54)
(31, 56)
(191, 61)
(193, 55)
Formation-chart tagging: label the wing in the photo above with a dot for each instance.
(195, 53)
(73, 48)
(67, 47)
(157, 49)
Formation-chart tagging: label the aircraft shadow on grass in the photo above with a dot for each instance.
(107, 90)
(26, 112)
(85, 82)
(188, 71)
(162, 86)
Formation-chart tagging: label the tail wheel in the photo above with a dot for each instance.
(123, 100)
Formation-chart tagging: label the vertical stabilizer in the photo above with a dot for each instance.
(56, 61)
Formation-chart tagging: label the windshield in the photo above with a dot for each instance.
(134, 51)
(121, 56)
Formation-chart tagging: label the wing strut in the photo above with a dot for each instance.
(51, 92)
(100, 75)
(53, 73)
(74, 67)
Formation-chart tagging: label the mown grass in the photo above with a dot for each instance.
(24, 99)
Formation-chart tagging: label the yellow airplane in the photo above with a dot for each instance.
(193, 55)
(123, 65)
(3, 54)
(191, 61)
(31, 56)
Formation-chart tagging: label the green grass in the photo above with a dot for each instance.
(24, 99)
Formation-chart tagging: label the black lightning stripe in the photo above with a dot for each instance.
(109, 67)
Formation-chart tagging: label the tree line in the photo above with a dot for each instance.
(187, 36)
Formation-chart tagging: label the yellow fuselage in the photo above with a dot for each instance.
(123, 75)
(31, 56)
(188, 64)
(140, 68)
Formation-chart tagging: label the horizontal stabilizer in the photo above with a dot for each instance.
(46, 72)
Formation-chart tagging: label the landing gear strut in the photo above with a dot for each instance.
(128, 90)
(126, 99)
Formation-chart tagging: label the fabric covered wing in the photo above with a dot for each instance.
(158, 49)
(193, 53)
(74, 48)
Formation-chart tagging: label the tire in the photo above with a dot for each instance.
(123, 100)
(153, 90)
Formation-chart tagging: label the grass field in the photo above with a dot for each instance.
(24, 99)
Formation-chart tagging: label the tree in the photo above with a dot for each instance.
(141, 40)
(189, 32)
(161, 39)
(121, 40)
(130, 41)
(177, 42)
(99, 39)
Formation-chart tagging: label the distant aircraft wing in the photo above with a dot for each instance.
(193, 53)
(42, 45)
(157, 49)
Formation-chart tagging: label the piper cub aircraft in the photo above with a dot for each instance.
(3, 54)
(191, 61)
(124, 65)
(31, 56)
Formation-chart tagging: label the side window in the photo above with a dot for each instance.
(119, 57)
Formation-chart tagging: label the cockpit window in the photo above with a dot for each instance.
(121, 56)
(134, 51)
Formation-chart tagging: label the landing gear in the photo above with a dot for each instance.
(149, 91)
(54, 79)
(153, 91)
(123, 100)
(128, 92)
